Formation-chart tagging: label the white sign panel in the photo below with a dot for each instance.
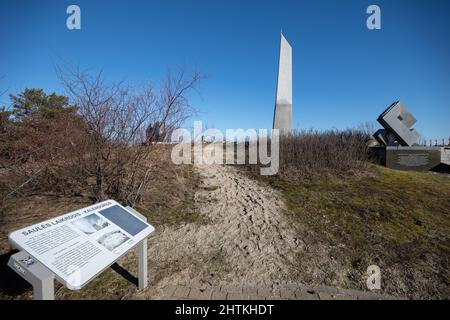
(79, 245)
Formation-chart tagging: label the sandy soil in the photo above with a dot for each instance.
(243, 237)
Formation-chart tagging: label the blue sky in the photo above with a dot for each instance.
(344, 74)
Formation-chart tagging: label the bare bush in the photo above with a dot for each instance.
(115, 151)
(312, 153)
(33, 135)
(96, 145)
(173, 104)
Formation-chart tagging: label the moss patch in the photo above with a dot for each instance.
(397, 220)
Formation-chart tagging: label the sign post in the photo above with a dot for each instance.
(41, 279)
(142, 257)
(76, 247)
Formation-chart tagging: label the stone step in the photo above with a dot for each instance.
(289, 291)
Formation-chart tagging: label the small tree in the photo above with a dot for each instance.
(33, 102)
(33, 142)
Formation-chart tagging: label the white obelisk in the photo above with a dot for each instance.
(282, 119)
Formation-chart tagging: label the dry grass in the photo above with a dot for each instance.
(307, 155)
(166, 201)
(399, 221)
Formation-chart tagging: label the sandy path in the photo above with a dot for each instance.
(244, 238)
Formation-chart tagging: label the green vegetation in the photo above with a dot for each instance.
(32, 103)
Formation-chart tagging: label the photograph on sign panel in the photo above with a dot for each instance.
(113, 239)
(90, 224)
(123, 219)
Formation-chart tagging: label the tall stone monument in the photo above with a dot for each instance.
(282, 119)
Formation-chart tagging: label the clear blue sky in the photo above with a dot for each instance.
(344, 74)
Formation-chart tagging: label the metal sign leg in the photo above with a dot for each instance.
(142, 265)
(44, 290)
(142, 257)
(41, 279)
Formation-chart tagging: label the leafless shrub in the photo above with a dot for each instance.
(311, 154)
(97, 148)
(115, 151)
(308, 154)
(173, 104)
(32, 155)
